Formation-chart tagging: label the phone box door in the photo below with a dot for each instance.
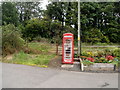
(68, 48)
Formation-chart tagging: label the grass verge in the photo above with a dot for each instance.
(41, 59)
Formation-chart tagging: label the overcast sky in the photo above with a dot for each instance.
(44, 3)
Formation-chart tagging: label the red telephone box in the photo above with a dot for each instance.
(68, 48)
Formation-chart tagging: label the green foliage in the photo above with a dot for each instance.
(64, 12)
(116, 62)
(116, 52)
(35, 27)
(0, 15)
(101, 52)
(9, 13)
(101, 16)
(101, 60)
(113, 34)
(11, 39)
(94, 36)
(56, 31)
(75, 55)
(45, 28)
(101, 44)
(87, 62)
(99, 21)
(28, 10)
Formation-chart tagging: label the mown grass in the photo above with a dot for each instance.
(41, 59)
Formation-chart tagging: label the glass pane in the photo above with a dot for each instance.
(68, 49)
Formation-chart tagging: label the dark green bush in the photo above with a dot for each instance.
(34, 28)
(11, 40)
(94, 35)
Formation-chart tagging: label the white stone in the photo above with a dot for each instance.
(66, 66)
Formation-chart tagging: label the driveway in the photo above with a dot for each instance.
(22, 76)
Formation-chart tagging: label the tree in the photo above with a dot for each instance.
(102, 16)
(0, 14)
(55, 11)
(65, 12)
(9, 13)
(28, 10)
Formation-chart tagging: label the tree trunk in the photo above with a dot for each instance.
(56, 48)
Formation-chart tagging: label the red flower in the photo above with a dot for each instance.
(91, 59)
(109, 57)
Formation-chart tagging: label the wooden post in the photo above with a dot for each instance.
(56, 48)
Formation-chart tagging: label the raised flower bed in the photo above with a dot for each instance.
(100, 61)
(100, 67)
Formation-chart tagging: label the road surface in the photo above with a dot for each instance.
(21, 76)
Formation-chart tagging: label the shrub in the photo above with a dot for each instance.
(94, 35)
(11, 40)
(36, 27)
(113, 35)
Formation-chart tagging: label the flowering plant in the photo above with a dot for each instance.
(90, 54)
(109, 57)
(90, 59)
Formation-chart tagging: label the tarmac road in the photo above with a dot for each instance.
(21, 76)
